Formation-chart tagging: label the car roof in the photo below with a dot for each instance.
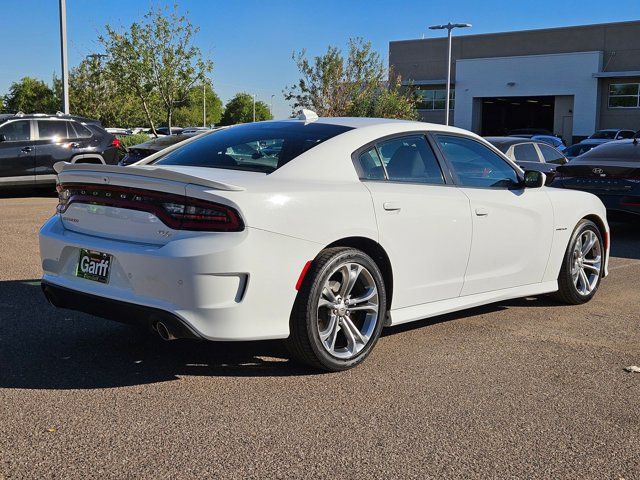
(47, 116)
(504, 141)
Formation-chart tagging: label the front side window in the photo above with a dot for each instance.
(550, 155)
(525, 152)
(16, 131)
(475, 165)
(624, 95)
(434, 99)
(256, 147)
(52, 130)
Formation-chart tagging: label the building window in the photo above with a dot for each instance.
(434, 99)
(624, 95)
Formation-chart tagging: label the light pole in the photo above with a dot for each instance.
(254, 107)
(449, 27)
(63, 56)
(271, 106)
(204, 102)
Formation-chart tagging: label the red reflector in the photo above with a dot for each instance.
(303, 273)
(606, 240)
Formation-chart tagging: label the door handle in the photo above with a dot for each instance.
(482, 212)
(391, 206)
(26, 149)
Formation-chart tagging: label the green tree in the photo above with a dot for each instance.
(190, 113)
(240, 110)
(156, 58)
(30, 95)
(356, 86)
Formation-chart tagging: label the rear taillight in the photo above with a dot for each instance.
(175, 211)
(116, 143)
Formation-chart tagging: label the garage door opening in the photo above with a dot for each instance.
(502, 115)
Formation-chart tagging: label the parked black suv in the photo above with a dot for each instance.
(31, 144)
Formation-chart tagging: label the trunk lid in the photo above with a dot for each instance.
(618, 178)
(131, 203)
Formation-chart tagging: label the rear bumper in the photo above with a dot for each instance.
(221, 286)
(116, 310)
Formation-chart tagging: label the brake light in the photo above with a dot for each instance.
(116, 142)
(175, 211)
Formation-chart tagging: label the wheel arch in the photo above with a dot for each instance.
(377, 253)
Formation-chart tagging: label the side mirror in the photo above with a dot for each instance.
(3, 137)
(534, 179)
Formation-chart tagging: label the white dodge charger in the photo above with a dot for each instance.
(320, 231)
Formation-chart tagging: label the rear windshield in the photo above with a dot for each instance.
(604, 135)
(256, 147)
(618, 151)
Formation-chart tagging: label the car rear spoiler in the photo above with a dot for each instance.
(145, 171)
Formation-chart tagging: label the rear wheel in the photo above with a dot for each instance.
(582, 266)
(339, 312)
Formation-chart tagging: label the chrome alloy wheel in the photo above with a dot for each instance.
(587, 262)
(348, 310)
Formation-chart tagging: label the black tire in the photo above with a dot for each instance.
(304, 342)
(568, 291)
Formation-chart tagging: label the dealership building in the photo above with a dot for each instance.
(570, 81)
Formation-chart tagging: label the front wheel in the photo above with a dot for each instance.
(339, 312)
(582, 265)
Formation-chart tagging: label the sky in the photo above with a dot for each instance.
(251, 41)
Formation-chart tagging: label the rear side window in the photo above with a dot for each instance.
(80, 130)
(525, 152)
(410, 159)
(371, 165)
(256, 147)
(549, 154)
(16, 131)
(52, 129)
(475, 165)
(626, 134)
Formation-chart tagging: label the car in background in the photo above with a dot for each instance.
(136, 153)
(195, 130)
(31, 144)
(529, 132)
(555, 142)
(611, 134)
(121, 132)
(165, 131)
(612, 172)
(579, 148)
(530, 154)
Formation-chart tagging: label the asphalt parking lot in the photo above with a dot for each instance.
(522, 389)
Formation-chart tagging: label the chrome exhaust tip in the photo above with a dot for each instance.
(164, 332)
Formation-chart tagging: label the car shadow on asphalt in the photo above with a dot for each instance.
(42, 192)
(42, 347)
(625, 239)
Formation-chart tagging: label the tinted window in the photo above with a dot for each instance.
(626, 134)
(549, 154)
(525, 152)
(80, 130)
(16, 131)
(52, 129)
(371, 165)
(577, 149)
(604, 135)
(410, 159)
(475, 165)
(239, 147)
